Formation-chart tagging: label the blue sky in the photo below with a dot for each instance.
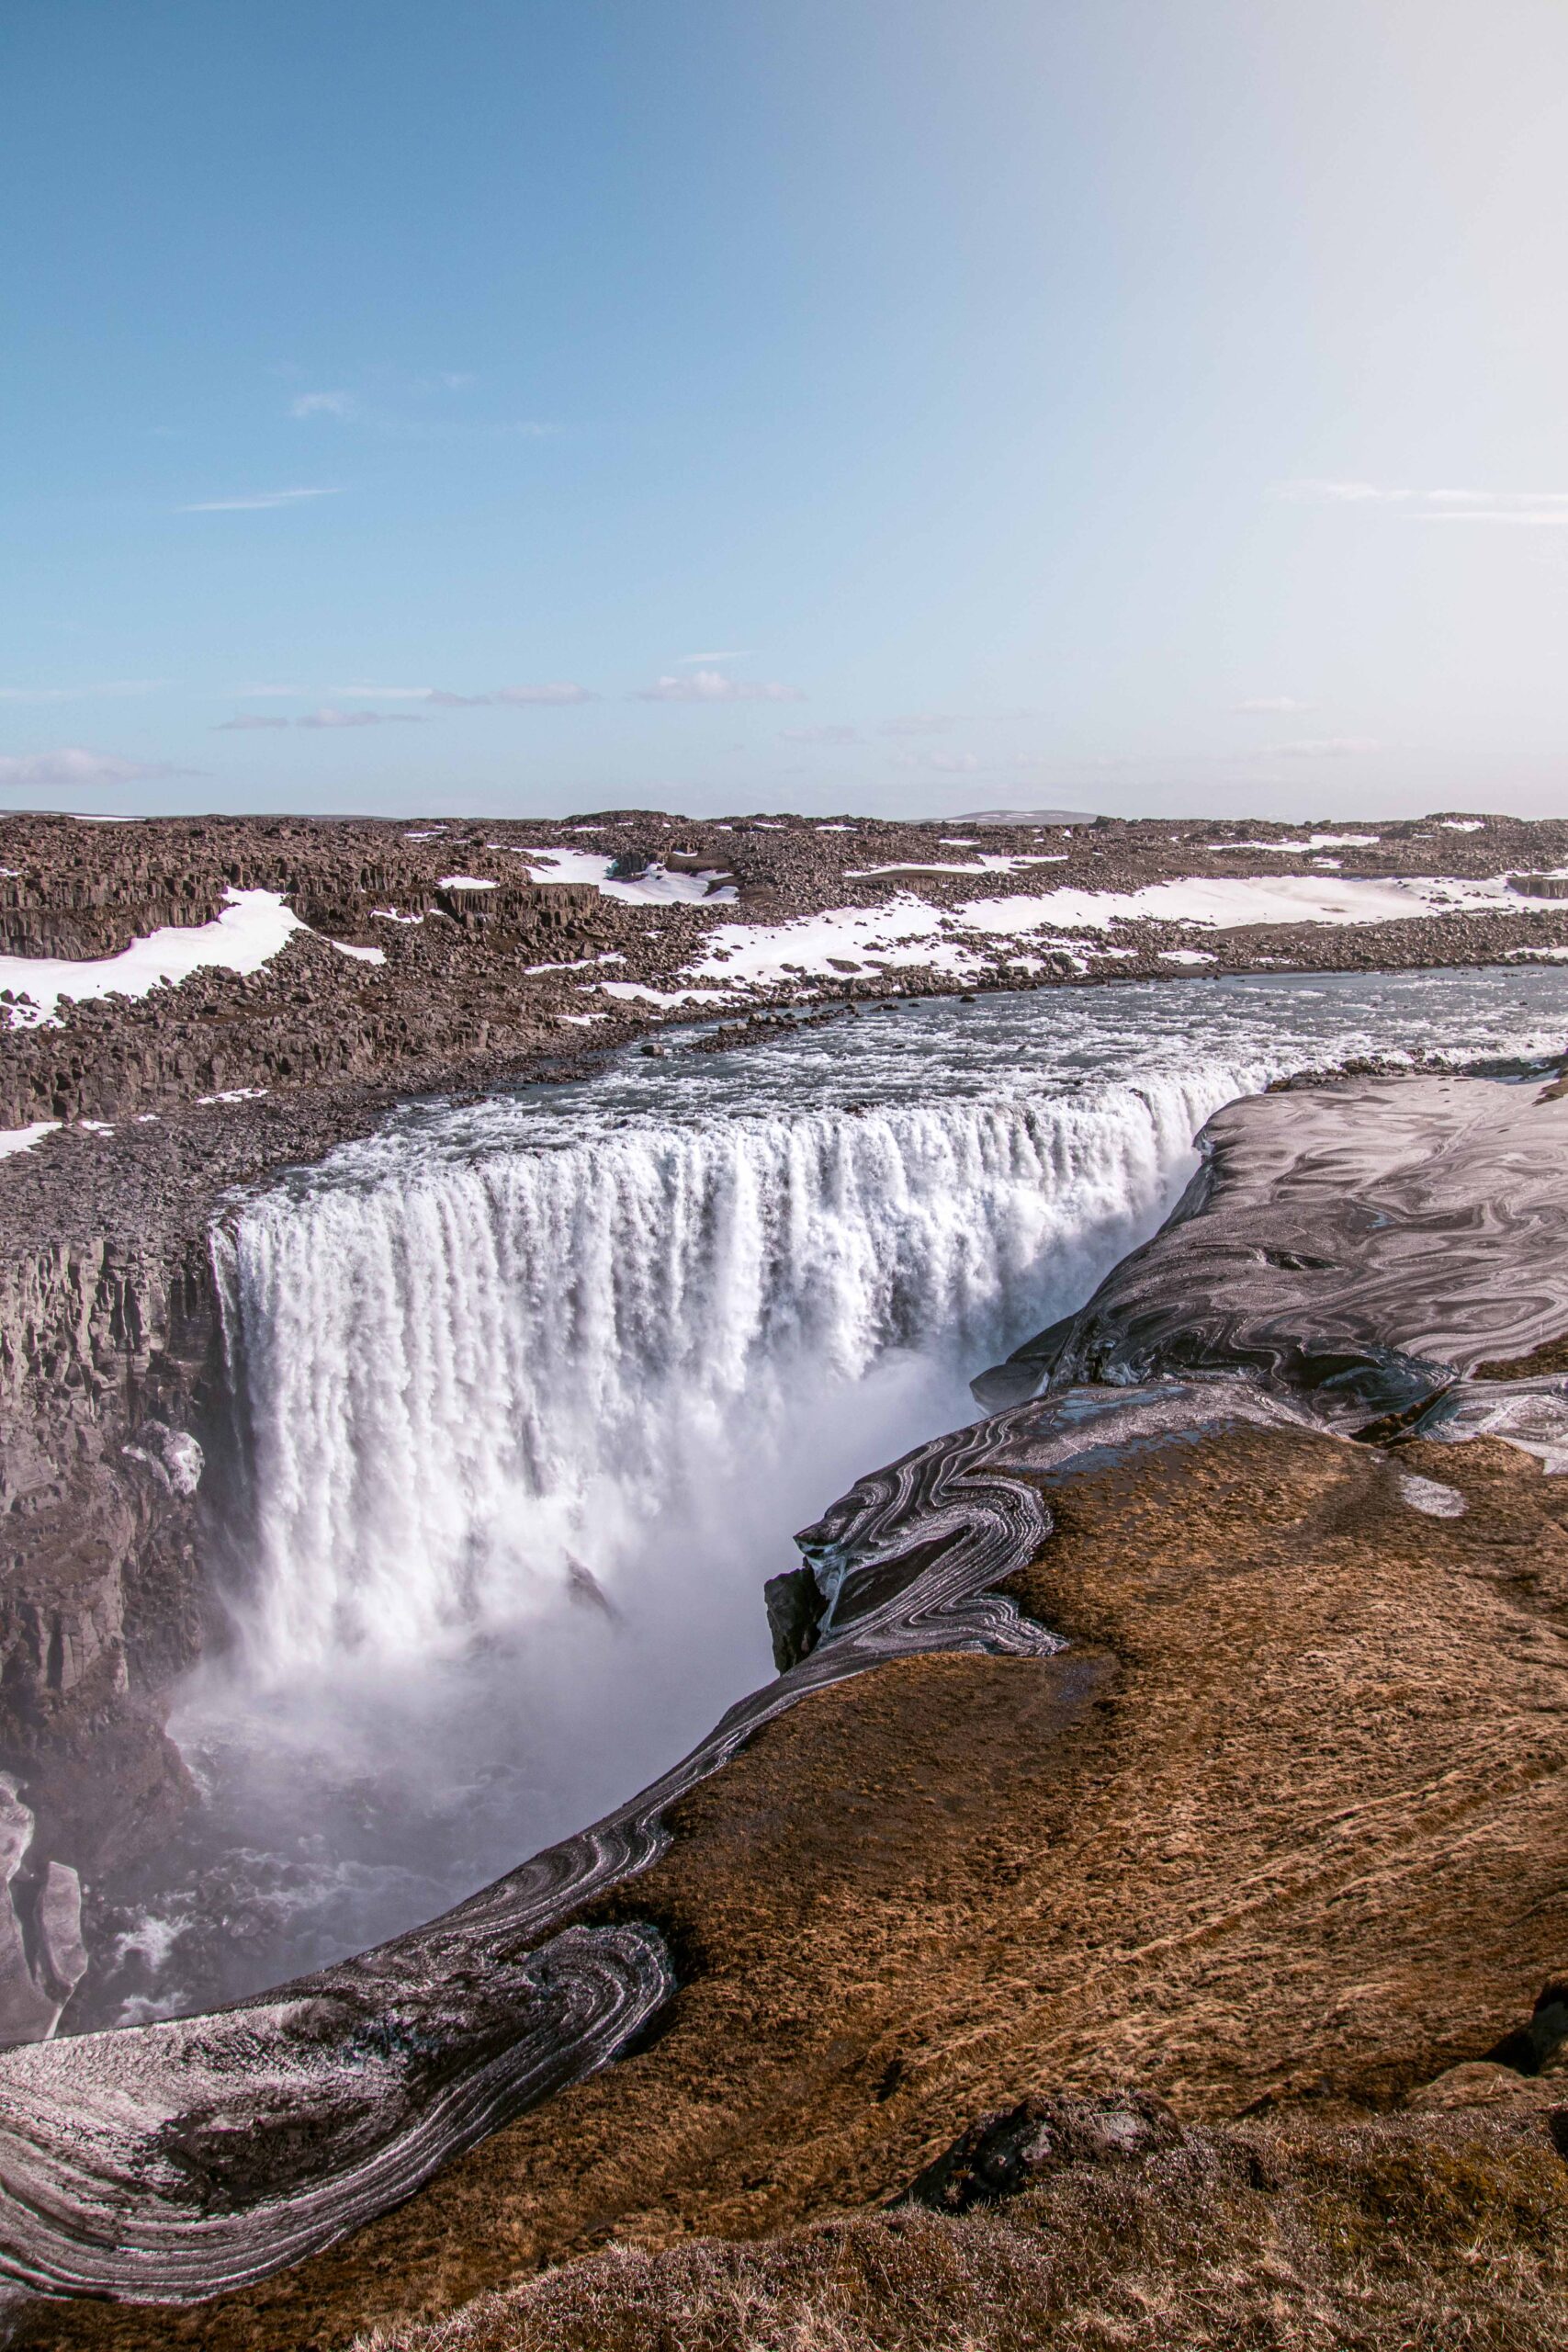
(891, 404)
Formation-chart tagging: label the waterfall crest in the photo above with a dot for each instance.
(468, 1392)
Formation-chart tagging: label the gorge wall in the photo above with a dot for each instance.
(106, 1351)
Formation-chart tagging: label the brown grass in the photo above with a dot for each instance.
(1551, 1356)
(1286, 1827)
(1403, 2235)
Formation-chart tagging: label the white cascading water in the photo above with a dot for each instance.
(535, 1390)
(466, 1390)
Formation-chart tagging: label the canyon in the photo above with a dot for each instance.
(291, 1234)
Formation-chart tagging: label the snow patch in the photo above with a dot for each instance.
(905, 931)
(657, 887)
(251, 928)
(23, 1138)
(988, 863)
(1299, 849)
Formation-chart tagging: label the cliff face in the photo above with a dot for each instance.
(104, 1349)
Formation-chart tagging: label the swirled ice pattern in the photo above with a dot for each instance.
(533, 1390)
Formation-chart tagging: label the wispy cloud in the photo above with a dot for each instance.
(445, 429)
(409, 408)
(81, 694)
(734, 653)
(254, 501)
(330, 717)
(554, 691)
(952, 762)
(1272, 706)
(917, 722)
(1313, 491)
(267, 694)
(821, 734)
(343, 405)
(245, 721)
(73, 765)
(712, 686)
(1530, 507)
(1325, 747)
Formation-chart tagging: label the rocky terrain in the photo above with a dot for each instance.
(1277, 1840)
(856, 1927)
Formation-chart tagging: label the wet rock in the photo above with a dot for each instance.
(1005, 2153)
(174, 1456)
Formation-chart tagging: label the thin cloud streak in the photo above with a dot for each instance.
(713, 686)
(343, 405)
(558, 691)
(73, 764)
(917, 722)
(255, 502)
(81, 694)
(328, 717)
(1272, 706)
(1532, 508)
(1324, 746)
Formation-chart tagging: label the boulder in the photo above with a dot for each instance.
(1010, 2150)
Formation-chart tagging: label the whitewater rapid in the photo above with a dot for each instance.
(530, 1394)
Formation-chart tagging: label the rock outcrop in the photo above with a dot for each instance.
(1016, 2148)
(42, 1957)
(104, 1353)
(1365, 1246)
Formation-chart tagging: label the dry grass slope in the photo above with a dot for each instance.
(1430, 2234)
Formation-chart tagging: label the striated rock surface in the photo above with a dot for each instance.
(1364, 1246)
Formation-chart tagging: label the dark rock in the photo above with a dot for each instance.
(1007, 2152)
(794, 1608)
(1534, 2048)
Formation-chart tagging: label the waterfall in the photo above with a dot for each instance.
(475, 1389)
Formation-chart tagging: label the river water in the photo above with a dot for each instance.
(529, 1395)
